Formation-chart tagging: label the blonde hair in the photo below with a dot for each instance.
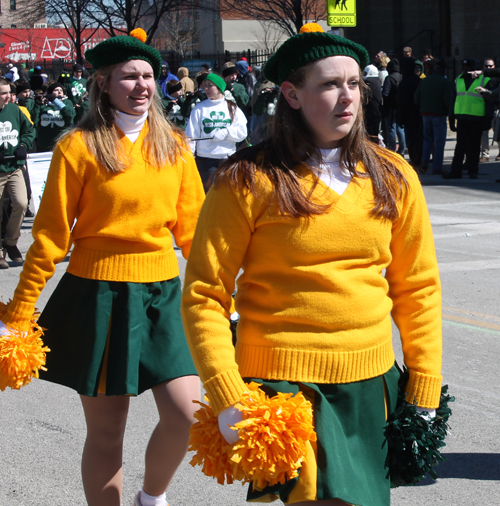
(162, 145)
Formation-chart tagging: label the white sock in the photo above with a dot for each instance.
(151, 500)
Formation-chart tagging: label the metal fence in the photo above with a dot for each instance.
(176, 60)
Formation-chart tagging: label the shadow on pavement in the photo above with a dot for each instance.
(467, 466)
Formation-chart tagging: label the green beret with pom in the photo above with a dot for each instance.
(311, 44)
(124, 48)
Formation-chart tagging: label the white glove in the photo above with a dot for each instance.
(229, 417)
(426, 413)
(220, 134)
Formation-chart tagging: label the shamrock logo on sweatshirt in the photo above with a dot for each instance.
(216, 121)
(7, 135)
(50, 117)
(77, 89)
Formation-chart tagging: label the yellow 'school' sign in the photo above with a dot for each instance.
(341, 12)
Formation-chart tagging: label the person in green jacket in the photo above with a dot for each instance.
(76, 85)
(16, 138)
(23, 94)
(237, 91)
(172, 104)
(83, 105)
(55, 114)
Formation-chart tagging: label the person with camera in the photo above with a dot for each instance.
(55, 113)
(16, 138)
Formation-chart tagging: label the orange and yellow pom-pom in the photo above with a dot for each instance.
(140, 34)
(311, 27)
(22, 354)
(272, 439)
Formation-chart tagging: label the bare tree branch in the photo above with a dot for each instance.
(28, 13)
(289, 15)
(73, 16)
(120, 17)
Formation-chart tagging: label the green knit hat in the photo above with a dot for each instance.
(124, 48)
(217, 80)
(311, 44)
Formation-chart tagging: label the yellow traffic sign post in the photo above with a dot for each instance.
(341, 12)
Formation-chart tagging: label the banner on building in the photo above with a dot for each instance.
(35, 44)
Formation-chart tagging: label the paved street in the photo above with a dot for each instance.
(43, 428)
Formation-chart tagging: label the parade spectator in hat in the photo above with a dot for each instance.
(54, 116)
(234, 89)
(215, 126)
(467, 119)
(172, 104)
(372, 107)
(185, 80)
(165, 76)
(76, 85)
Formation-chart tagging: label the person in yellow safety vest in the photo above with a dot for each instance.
(469, 111)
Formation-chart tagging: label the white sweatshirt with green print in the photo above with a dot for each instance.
(211, 119)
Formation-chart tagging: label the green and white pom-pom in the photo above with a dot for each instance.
(414, 443)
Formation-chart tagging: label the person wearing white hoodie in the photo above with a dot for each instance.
(221, 122)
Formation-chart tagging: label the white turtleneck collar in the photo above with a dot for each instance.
(218, 101)
(130, 124)
(331, 173)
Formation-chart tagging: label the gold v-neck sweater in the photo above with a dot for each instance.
(316, 295)
(121, 224)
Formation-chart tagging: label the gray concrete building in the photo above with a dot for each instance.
(452, 29)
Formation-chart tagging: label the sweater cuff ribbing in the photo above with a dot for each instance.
(423, 390)
(225, 390)
(18, 315)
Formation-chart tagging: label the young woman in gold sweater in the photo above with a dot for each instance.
(333, 237)
(119, 186)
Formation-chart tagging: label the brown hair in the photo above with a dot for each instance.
(162, 144)
(292, 143)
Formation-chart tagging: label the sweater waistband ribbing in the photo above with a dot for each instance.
(315, 366)
(127, 267)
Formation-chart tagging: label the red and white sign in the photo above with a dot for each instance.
(34, 44)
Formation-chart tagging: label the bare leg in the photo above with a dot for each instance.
(106, 418)
(168, 444)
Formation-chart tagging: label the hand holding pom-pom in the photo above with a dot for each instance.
(22, 354)
(271, 442)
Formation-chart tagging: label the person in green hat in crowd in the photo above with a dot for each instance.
(218, 120)
(76, 85)
(327, 236)
(121, 186)
(54, 115)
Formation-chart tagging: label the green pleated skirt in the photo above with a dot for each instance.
(350, 454)
(132, 331)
